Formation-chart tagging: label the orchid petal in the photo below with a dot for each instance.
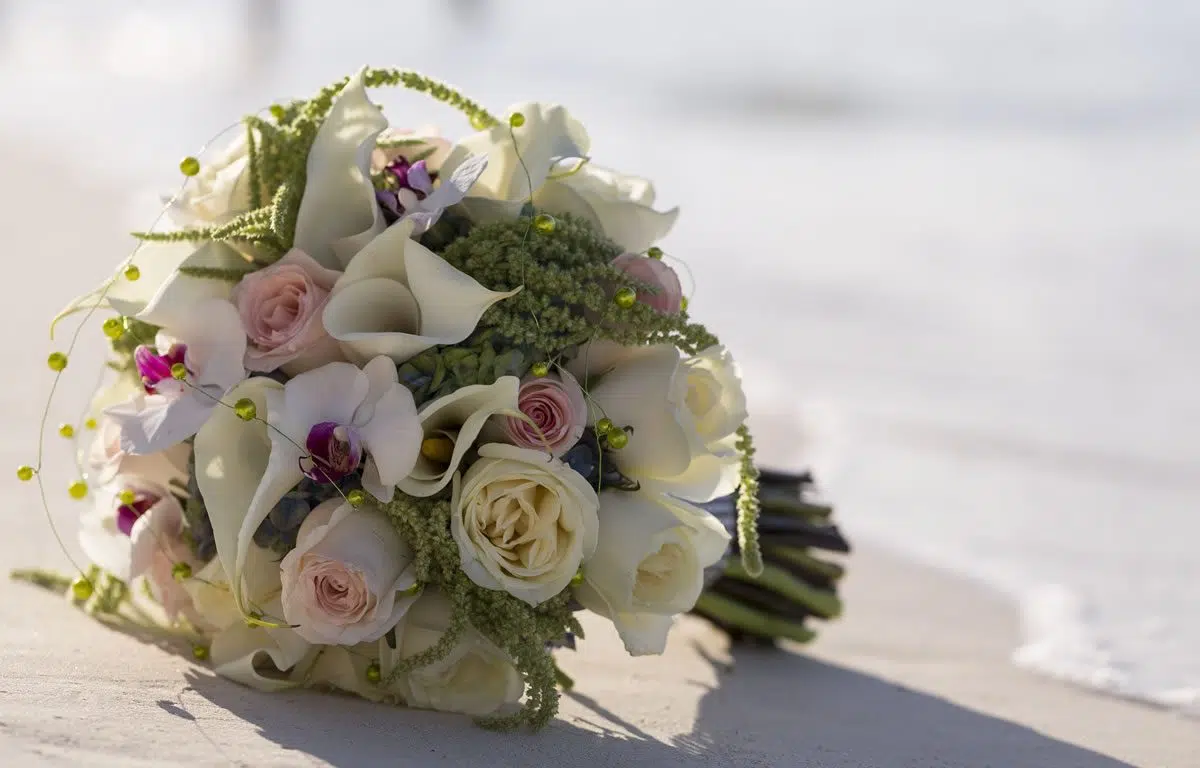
(153, 423)
(641, 393)
(338, 213)
(450, 192)
(459, 416)
(216, 344)
(392, 434)
(330, 393)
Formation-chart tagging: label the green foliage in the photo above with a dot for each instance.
(518, 629)
(567, 284)
(481, 359)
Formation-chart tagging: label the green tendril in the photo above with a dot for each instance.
(747, 506)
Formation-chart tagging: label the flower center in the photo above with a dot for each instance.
(155, 368)
(128, 514)
(335, 450)
(405, 185)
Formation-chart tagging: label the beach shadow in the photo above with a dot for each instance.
(772, 708)
(345, 731)
(770, 702)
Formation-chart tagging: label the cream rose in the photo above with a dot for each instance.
(345, 581)
(649, 565)
(715, 403)
(475, 678)
(219, 192)
(524, 522)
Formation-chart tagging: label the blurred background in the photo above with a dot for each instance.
(954, 246)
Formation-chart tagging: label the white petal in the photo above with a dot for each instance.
(460, 415)
(179, 292)
(332, 392)
(595, 359)
(707, 477)
(216, 341)
(382, 257)
(102, 541)
(339, 201)
(373, 317)
(451, 301)
(450, 192)
(237, 653)
(156, 262)
(709, 537)
(393, 436)
(640, 392)
(239, 479)
(644, 634)
(632, 527)
(154, 423)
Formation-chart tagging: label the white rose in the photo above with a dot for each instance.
(683, 414)
(714, 402)
(475, 678)
(619, 205)
(649, 564)
(344, 583)
(524, 522)
(219, 192)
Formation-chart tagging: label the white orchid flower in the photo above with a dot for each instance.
(325, 423)
(454, 421)
(648, 389)
(208, 340)
(649, 564)
(398, 298)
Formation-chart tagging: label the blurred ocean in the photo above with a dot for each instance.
(955, 246)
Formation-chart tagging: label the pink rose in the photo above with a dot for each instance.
(281, 307)
(556, 404)
(350, 578)
(668, 295)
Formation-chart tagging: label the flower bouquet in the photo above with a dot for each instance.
(389, 411)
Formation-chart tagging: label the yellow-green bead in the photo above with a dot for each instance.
(604, 426)
(655, 252)
(78, 489)
(81, 589)
(127, 496)
(683, 302)
(200, 652)
(132, 272)
(245, 409)
(625, 298)
(66, 430)
(278, 112)
(90, 423)
(479, 122)
(374, 673)
(25, 473)
(189, 165)
(179, 371)
(181, 572)
(618, 439)
(544, 223)
(516, 119)
(356, 498)
(577, 579)
(540, 369)
(114, 328)
(57, 361)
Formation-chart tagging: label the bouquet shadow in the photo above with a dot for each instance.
(768, 707)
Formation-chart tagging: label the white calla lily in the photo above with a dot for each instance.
(649, 564)
(338, 213)
(458, 417)
(620, 206)
(398, 298)
(239, 649)
(519, 158)
(176, 410)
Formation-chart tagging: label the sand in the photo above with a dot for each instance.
(917, 674)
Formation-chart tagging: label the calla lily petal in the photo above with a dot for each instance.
(338, 213)
(156, 263)
(451, 301)
(238, 479)
(641, 392)
(460, 417)
(169, 305)
(360, 315)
